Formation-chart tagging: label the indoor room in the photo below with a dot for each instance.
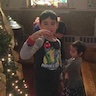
(18, 20)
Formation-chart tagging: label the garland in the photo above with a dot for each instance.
(5, 39)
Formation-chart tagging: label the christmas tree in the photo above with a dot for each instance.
(12, 82)
(15, 83)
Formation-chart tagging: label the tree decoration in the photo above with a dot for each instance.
(12, 82)
(5, 39)
(15, 83)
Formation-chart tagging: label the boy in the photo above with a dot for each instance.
(47, 55)
(60, 32)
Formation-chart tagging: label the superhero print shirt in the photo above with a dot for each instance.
(52, 57)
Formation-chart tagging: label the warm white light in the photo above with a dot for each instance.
(23, 80)
(8, 70)
(16, 87)
(21, 92)
(25, 86)
(16, 81)
(3, 59)
(10, 94)
(13, 74)
(13, 84)
(26, 94)
(9, 55)
(9, 59)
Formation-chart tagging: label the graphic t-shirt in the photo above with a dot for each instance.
(51, 55)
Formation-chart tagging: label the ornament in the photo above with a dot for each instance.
(47, 44)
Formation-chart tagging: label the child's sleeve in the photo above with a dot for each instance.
(28, 51)
(67, 64)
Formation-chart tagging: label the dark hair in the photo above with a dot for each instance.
(61, 28)
(80, 46)
(48, 13)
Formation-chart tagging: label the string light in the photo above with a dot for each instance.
(13, 84)
(16, 81)
(10, 94)
(21, 92)
(3, 59)
(26, 94)
(16, 87)
(8, 70)
(13, 74)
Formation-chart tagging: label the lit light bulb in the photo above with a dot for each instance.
(10, 94)
(26, 94)
(3, 59)
(8, 70)
(16, 81)
(18, 90)
(13, 74)
(16, 87)
(21, 92)
(13, 84)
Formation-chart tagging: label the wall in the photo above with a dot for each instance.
(13, 4)
(76, 4)
(77, 22)
(79, 19)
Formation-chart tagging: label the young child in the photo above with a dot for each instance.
(60, 32)
(73, 85)
(47, 54)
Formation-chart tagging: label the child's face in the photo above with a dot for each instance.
(50, 25)
(73, 52)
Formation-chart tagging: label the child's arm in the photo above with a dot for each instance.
(33, 44)
(38, 34)
(28, 51)
(67, 64)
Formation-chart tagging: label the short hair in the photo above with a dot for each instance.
(80, 46)
(48, 13)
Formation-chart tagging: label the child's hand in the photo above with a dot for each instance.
(39, 33)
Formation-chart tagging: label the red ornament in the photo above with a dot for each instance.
(47, 44)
